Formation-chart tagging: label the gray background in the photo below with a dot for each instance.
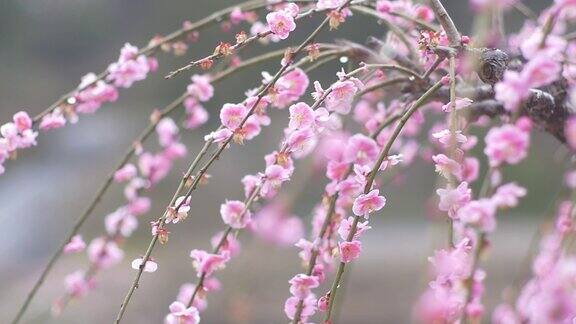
(46, 45)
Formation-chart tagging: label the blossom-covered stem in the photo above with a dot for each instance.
(213, 158)
(248, 203)
(90, 208)
(370, 181)
(332, 208)
(219, 54)
(446, 22)
(154, 240)
(144, 135)
(480, 244)
(151, 48)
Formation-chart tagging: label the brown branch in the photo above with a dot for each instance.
(446, 21)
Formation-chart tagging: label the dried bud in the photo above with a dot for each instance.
(155, 116)
(138, 147)
(205, 179)
(187, 25)
(223, 49)
(180, 48)
(288, 57)
(206, 64)
(163, 235)
(313, 51)
(336, 18)
(241, 37)
(155, 41)
(193, 37)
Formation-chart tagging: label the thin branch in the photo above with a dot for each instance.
(446, 21)
(370, 180)
(151, 48)
(125, 158)
(212, 159)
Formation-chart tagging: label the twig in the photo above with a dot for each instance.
(140, 139)
(151, 48)
(370, 180)
(212, 159)
(446, 22)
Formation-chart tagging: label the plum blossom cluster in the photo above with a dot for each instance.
(458, 286)
(199, 91)
(281, 22)
(349, 160)
(16, 135)
(105, 251)
(94, 91)
(548, 297)
(305, 126)
(242, 126)
(90, 95)
(545, 52)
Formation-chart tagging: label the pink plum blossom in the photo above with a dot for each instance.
(206, 263)
(308, 309)
(235, 214)
(22, 121)
(130, 67)
(180, 210)
(200, 88)
(340, 97)
(361, 149)
(104, 254)
(180, 314)
(480, 213)
(125, 173)
(281, 23)
(274, 224)
(53, 120)
(232, 115)
(460, 103)
(77, 285)
(76, 244)
(368, 203)
(453, 199)
(230, 245)
(301, 116)
(150, 266)
(447, 167)
(350, 251)
(507, 195)
(301, 285)
(167, 131)
(120, 222)
(274, 176)
(346, 226)
(506, 144)
(452, 264)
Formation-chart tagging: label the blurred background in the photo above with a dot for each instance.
(46, 46)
